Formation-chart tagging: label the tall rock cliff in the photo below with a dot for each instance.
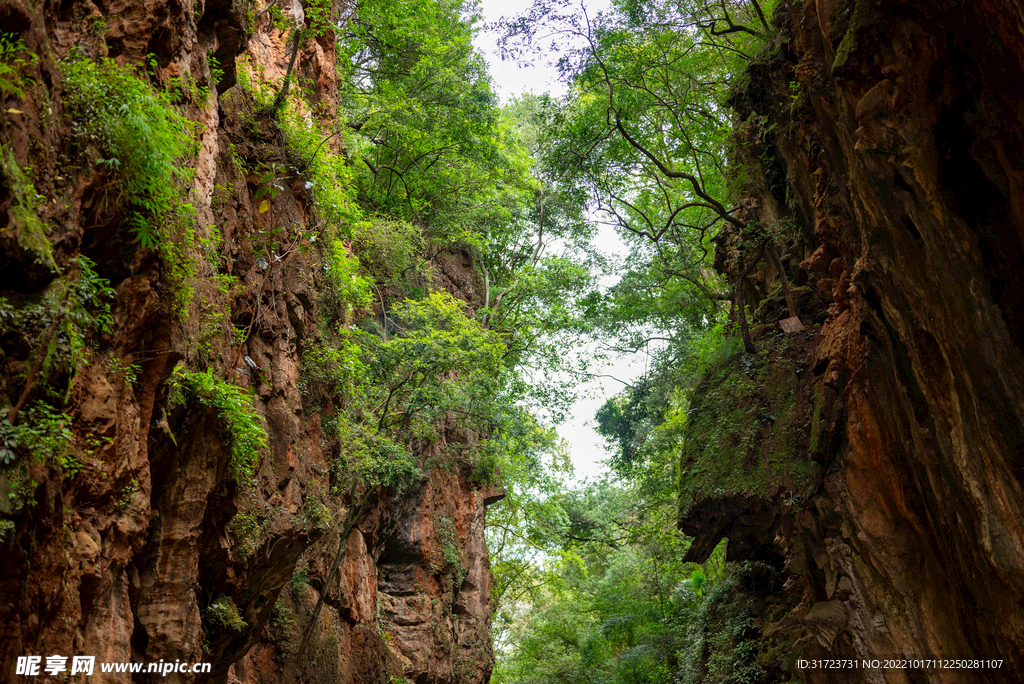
(129, 532)
(887, 137)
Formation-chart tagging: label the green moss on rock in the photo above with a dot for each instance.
(30, 228)
(748, 427)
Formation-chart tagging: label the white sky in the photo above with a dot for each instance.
(585, 445)
(509, 78)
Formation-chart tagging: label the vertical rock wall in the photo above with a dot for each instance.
(889, 136)
(152, 551)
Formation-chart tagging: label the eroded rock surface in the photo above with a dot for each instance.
(898, 160)
(152, 552)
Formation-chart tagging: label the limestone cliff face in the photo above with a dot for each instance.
(152, 551)
(889, 136)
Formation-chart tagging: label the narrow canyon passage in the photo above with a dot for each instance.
(410, 341)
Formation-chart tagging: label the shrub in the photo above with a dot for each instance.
(249, 526)
(391, 390)
(245, 433)
(12, 81)
(300, 579)
(223, 613)
(345, 293)
(390, 248)
(73, 308)
(375, 458)
(45, 433)
(328, 177)
(141, 137)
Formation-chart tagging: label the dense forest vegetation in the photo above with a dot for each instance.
(592, 586)
(590, 583)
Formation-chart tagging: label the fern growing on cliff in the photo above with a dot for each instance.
(141, 138)
(244, 432)
(13, 60)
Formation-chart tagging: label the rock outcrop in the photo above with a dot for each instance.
(888, 134)
(145, 548)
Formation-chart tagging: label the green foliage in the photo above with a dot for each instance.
(73, 309)
(645, 129)
(391, 249)
(252, 81)
(44, 433)
(141, 137)
(88, 302)
(626, 421)
(588, 583)
(539, 269)
(216, 71)
(8, 443)
(244, 431)
(300, 578)
(269, 182)
(449, 544)
(326, 175)
(17, 485)
(428, 136)
(438, 164)
(720, 645)
(130, 372)
(320, 17)
(283, 619)
(345, 292)
(645, 424)
(248, 527)
(99, 26)
(606, 602)
(392, 390)
(124, 499)
(275, 243)
(14, 60)
(316, 513)
(376, 459)
(607, 599)
(222, 615)
(651, 148)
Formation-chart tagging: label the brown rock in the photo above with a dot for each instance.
(914, 194)
(153, 551)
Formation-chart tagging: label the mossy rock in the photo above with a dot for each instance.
(223, 615)
(860, 24)
(748, 428)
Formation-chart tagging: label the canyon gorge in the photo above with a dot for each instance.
(178, 481)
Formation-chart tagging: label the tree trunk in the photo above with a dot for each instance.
(748, 344)
(773, 254)
(349, 526)
(283, 93)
